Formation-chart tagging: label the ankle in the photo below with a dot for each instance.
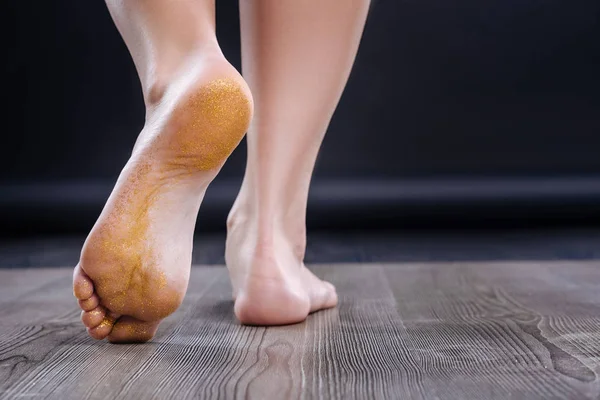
(268, 231)
(167, 75)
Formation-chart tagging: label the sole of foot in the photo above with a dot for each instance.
(135, 264)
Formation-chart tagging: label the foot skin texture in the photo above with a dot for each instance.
(271, 284)
(135, 264)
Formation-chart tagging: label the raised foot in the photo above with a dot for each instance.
(101, 323)
(135, 264)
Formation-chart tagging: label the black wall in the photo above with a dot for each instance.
(455, 110)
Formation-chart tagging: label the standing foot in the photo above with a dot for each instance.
(271, 284)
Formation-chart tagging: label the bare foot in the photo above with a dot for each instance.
(135, 264)
(271, 284)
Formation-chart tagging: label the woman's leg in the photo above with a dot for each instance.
(296, 58)
(135, 263)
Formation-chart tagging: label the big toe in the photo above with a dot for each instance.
(332, 298)
(131, 330)
(324, 296)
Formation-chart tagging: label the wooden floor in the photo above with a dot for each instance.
(434, 330)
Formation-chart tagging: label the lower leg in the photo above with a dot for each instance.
(135, 264)
(297, 56)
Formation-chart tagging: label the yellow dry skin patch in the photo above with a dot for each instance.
(107, 322)
(162, 280)
(96, 313)
(136, 330)
(131, 332)
(133, 281)
(201, 133)
(208, 126)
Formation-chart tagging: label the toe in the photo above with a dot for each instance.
(331, 296)
(103, 329)
(324, 297)
(131, 330)
(89, 304)
(83, 288)
(94, 317)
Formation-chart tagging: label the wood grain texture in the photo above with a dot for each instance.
(484, 330)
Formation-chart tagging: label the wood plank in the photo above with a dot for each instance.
(447, 330)
(476, 340)
(353, 351)
(78, 367)
(21, 282)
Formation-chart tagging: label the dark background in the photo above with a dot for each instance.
(456, 113)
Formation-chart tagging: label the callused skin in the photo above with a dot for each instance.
(137, 257)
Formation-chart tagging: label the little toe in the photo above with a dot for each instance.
(89, 304)
(131, 330)
(83, 288)
(93, 318)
